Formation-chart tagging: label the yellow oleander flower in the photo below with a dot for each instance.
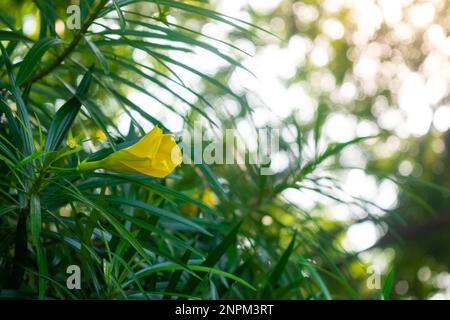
(155, 155)
(209, 198)
(100, 135)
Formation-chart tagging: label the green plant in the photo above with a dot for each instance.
(131, 234)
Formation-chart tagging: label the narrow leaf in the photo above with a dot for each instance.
(33, 58)
(35, 218)
(65, 116)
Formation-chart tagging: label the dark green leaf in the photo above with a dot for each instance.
(34, 56)
(65, 116)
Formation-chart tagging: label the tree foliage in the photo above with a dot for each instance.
(205, 231)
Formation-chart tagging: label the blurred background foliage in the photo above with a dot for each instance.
(357, 88)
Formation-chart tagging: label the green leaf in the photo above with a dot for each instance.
(160, 84)
(317, 278)
(331, 150)
(173, 36)
(153, 210)
(145, 225)
(176, 275)
(35, 218)
(278, 271)
(122, 20)
(48, 17)
(7, 209)
(13, 36)
(173, 267)
(161, 189)
(65, 116)
(214, 257)
(387, 287)
(14, 132)
(29, 159)
(213, 181)
(98, 54)
(43, 269)
(124, 233)
(34, 56)
(24, 126)
(318, 123)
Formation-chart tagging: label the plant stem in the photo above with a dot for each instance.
(73, 44)
(92, 165)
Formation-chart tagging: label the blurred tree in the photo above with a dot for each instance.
(378, 67)
(359, 180)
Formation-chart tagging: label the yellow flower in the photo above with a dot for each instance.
(189, 209)
(100, 135)
(209, 198)
(155, 155)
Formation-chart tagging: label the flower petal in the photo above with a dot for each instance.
(148, 146)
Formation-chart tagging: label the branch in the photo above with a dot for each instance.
(424, 228)
(73, 44)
